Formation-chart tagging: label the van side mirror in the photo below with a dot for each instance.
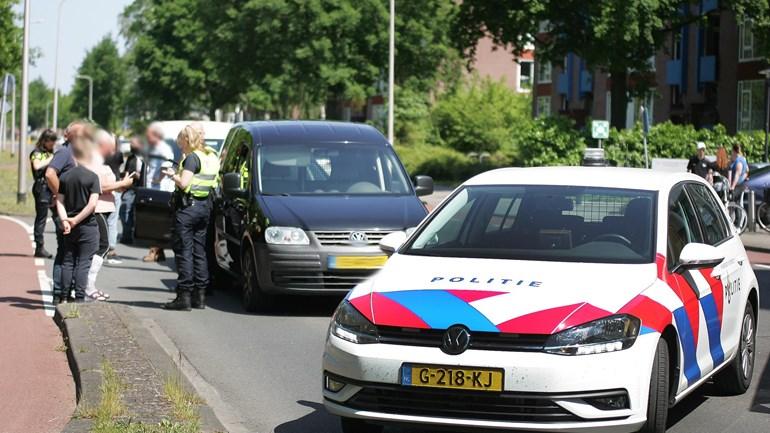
(231, 186)
(392, 242)
(697, 256)
(423, 185)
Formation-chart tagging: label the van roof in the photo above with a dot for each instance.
(304, 131)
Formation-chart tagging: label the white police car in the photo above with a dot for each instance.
(548, 299)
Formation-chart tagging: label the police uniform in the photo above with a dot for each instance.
(42, 196)
(193, 208)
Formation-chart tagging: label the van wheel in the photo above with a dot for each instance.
(352, 425)
(657, 404)
(252, 297)
(736, 377)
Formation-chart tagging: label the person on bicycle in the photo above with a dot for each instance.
(739, 172)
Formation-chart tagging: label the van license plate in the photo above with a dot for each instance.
(356, 262)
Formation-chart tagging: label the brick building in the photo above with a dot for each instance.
(707, 73)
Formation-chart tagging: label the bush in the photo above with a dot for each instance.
(445, 164)
(549, 141)
(480, 116)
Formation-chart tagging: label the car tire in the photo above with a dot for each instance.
(353, 425)
(657, 404)
(252, 297)
(735, 379)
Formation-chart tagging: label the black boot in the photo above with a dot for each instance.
(181, 303)
(42, 253)
(198, 299)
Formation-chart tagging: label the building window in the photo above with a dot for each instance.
(543, 72)
(751, 105)
(543, 107)
(746, 42)
(525, 75)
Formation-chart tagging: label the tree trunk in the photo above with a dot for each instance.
(619, 99)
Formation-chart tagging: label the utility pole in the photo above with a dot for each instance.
(13, 115)
(90, 94)
(21, 193)
(56, 67)
(391, 68)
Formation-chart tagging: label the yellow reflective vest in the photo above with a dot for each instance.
(204, 181)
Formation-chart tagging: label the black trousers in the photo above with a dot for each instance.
(58, 287)
(42, 205)
(190, 227)
(79, 249)
(104, 233)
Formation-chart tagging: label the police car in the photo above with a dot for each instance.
(548, 299)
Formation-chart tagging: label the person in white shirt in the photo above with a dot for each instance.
(160, 156)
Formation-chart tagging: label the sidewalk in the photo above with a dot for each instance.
(38, 393)
(757, 241)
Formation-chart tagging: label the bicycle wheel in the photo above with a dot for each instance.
(737, 217)
(763, 216)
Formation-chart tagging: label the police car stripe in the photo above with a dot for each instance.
(714, 327)
(687, 341)
(440, 309)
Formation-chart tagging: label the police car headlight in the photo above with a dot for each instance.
(609, 334)
(286, 236)
(349, 324)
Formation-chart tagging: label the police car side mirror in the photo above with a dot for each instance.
(697, 256)
(231, 186)
(392, 242)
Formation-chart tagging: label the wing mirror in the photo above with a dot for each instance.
(392, 242)
(423, 185)
(231, 186)
(697, 256)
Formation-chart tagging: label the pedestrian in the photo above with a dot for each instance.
(76, 201)
(105, 206)
(739, 172)
(722, 164)
(115, 161)
(134, 164)
(698, 163)
(160, 157)
(61, 163)
(39, 159)
(195, 179)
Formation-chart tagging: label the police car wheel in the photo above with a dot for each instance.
(252, 297)
(735, 379)
(657, 405)
(352, 425)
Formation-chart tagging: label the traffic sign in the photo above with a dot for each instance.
(600, 129)
(5, 107)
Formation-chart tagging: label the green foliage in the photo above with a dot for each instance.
(104, 64)
(549, 141)
(10, 39)
(481, 116)
(445, 164)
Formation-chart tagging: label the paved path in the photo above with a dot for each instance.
(37, 393)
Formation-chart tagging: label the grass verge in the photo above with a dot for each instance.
(8, 186)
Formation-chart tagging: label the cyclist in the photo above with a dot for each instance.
(739, 172)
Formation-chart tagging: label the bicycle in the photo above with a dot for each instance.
(735, 208)
(763, 211)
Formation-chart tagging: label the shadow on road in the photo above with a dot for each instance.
(318, 421)
(25, 303)
(761, 401)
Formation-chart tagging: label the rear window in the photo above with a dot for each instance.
(552, 223)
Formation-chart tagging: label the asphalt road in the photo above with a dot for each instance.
(264, 370)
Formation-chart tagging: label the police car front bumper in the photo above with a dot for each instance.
(542, 392)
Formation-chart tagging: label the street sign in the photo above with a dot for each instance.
(600, 129)
(5, 107)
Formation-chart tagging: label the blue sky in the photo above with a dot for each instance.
(84, 23)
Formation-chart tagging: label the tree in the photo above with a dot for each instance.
(10, 39)
(617, 36)
(104, 64)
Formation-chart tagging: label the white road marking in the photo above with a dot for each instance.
(43, 281)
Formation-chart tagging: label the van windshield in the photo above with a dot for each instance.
(330, 168)
(548, 223)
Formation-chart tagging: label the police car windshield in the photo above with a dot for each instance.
(550, 223)
(330, 168)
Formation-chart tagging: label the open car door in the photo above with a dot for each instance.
(153, 215)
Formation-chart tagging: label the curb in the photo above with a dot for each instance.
(85, 362)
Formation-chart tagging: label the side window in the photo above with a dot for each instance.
(682, 224)
(712, 218)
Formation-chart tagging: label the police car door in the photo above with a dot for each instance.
(723, 282)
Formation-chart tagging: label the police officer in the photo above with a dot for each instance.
(39, 159)
(195, 179)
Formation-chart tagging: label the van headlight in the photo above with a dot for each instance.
(349, 324)
(609, 334)
(286, 236)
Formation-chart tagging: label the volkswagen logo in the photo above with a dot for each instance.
(358, 238)
(456, 340)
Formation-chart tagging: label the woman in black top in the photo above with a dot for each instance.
(39, 159)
